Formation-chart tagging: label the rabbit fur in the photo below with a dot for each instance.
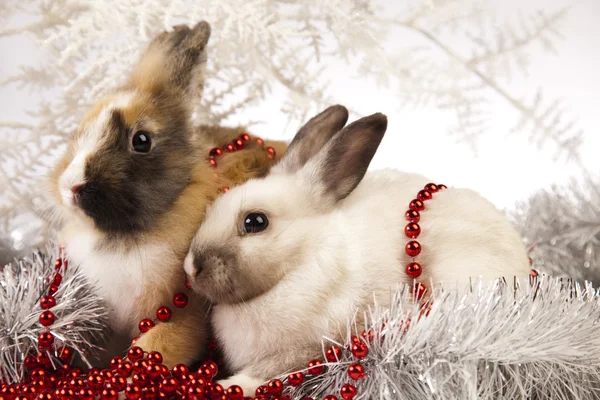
(334, 241)
(128, 217)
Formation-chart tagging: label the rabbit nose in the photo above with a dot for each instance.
(191, 265)
(75, 189)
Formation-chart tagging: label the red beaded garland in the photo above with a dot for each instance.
(296, 379)
(275, 387)
(45, 339)
(333, 354)
(330, 397)
(229, 148)
(416, 205)
(245, 137)
(360, 349)
(212, 162)
(414, 269)
(215, 152)
(413, 248)
(412, 216)
(235, 392)
(412, 230)
(180, 300)
(145, 325)
(431, 187)
(424, 195)
(47, 318)
(163, 313)
(348, 391)
(419, 290)
(315, 367)
(356, 371)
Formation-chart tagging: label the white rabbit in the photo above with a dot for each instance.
(289, 258)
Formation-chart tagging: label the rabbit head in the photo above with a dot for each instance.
(258, 232)
(132, 155)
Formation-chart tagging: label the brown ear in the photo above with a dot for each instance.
(312, 137)
(343, 162)
(174, 60)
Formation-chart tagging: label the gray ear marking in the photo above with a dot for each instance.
(344, 161)
(313, 136)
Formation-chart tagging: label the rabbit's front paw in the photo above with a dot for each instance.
(247, 383)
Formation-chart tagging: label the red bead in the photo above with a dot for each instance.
(8, 392)
(205, 373)
(45, 340)
(140, 378)
(414, 270)
(118, 382)
(259, 141)
(412, 230)
(65, 354)
(348, 391)
(416, 205)
(215, 152)
(195, 392)
(360, 350)
(168, 385)
(43, 359)
(133, 392)
(442, 187)
(275, 387)
(212, 345)
(135, 353)
(180, 370)
(431, 187)
(154, 371)
(368, 335)
(533, 273)
(330, 397)
(245, 137)
(57, 279)
(47, 318)
(262, 391)
(229, 148)
(30, 362)
(235, 393)
(124, 369)
(109, 394)
(315, 367)
(413, 248)
(86, 394)
(180, 300)
(154, 357)
(145, 325)
(115, 362)
(296, 378)
(356, 371)
(424, 195)
(106, 374)
(419, 290)
(412, 216)
(74, 372)
(238, 143)
(95, 381)
(216, 391)
(212, 162)
(52, 290)
(140, 365)
(333, 354)
(271, 152)
(213, 367)
(58, 263)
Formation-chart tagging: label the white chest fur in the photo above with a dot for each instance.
(118, 275)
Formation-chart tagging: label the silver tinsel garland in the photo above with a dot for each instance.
(562, 226)
(80, 317)
(494, 341)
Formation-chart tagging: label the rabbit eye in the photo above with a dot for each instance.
(255, 222)
(141, 142)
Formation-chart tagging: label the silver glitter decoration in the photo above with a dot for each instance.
(80, 323)
(495, 340)
(562, 226)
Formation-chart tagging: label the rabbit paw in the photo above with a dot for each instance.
(247, 383)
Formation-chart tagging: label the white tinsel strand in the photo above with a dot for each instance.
(562, 225)
(80, 323)
(490, 342)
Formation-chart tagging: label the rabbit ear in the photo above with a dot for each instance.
(312, 137)
(342, 163)
(174, 61)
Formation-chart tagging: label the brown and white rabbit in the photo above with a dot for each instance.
(289, 258)
(132, 190)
